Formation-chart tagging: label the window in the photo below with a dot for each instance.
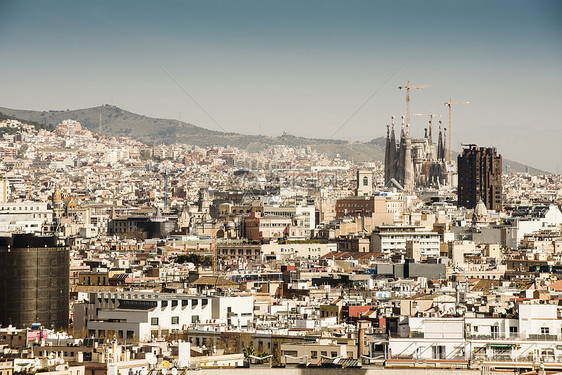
(154, 321)
(195, 319)
(175, 320)
(185, 302)
(323, 353)
(513, 330)
(438, 351)
(164, 304)
(334, 354)
(174, 303)
(365, 181)
(545, 330)
(314, 354)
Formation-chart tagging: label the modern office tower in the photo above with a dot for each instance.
(480, 173)
(34, 281)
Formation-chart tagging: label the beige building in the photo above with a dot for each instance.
(312, 352)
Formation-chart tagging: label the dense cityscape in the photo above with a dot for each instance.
(119, 257)
(260, 187)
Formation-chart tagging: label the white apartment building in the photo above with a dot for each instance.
(144, 314)
(392, 239)
(534, 336)
(304, 215)
(526, 220)
(24, 217)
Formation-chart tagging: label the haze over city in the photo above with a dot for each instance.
(301, 67)
(256, 187)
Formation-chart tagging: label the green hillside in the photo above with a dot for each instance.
(113, 121)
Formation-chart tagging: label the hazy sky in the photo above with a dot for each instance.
(298, 66)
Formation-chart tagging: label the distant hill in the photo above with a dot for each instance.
(113, 121)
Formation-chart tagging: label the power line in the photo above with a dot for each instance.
(369, 99)
(188, 95)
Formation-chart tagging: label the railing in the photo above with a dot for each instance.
(543, 337)
(531, 337)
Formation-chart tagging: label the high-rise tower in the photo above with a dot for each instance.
(34, 281)
(480, 172)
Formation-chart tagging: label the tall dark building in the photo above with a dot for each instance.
(34, 281)
(480, 177)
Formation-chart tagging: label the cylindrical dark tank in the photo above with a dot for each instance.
(34, 282)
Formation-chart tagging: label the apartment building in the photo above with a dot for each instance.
(141, 315)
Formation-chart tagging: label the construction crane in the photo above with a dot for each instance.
(431, 115)
(407, 88)
(450, 104)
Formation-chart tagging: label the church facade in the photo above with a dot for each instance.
(415, 162)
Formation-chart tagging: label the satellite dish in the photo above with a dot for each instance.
(174, 371)
(152, 360)
(164, 371)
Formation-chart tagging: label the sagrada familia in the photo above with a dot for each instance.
(417, 162)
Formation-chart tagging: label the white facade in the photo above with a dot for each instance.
(26, 217)
(142, 315)
(393, 240)
(540, 321)
(475, 350)
(306, 214)
(364, 183)
(520, 226)
(534, 336)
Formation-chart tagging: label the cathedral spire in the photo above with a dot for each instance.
(392, 153)
(387, 155)
(401, 149)
(440, 149)
(408, 161)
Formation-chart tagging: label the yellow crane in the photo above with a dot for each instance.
(407, 88)
(450, 104)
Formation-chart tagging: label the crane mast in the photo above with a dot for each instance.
(450, 104)
(407, 88)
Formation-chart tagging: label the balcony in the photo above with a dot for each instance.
(542, 337)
